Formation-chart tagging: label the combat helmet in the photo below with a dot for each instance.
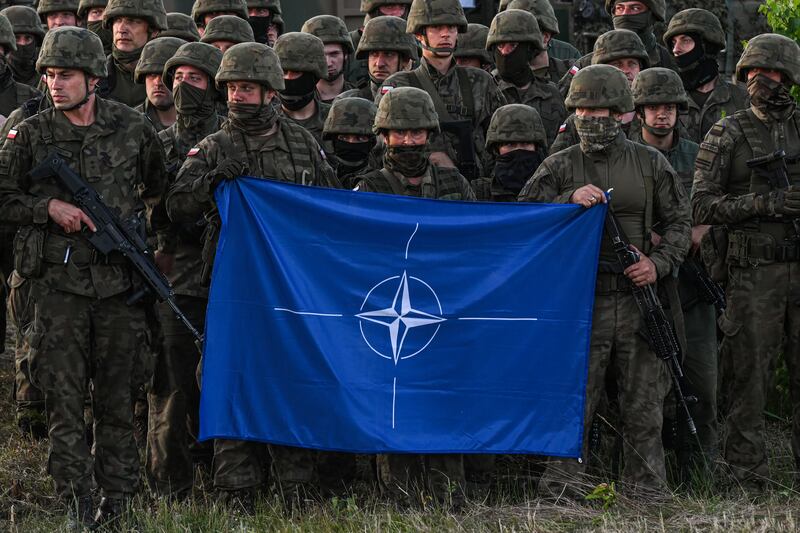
(406, 108)
(85, 5)
(368, 6)
(150, 10)
(350, 116)
(71, 47)
(659, 85)
(697, 21)
(54, 6)
(24, 19)
(7, 38)
(155, 55)
(228, 28)
(330, 30)
(201, 56)
(385, 33)
(274, 6)
(771, 51)
(542, 10)
(619, 44)
(435, 13)
(600, 86)
(657, 7)
(254, 62)
(473, 43)
(515, 123)
(201, 8)
(514, 25)
(302, 52)
(182, 26)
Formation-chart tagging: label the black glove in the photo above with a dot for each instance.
(229, 169)
(779, 202)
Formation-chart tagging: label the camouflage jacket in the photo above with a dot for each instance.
(544, 97)
(291, 154)
(33, 79)
(151, 114)
(124, 165)
(26, 110)
(489, 190)
(13, 94)
(119, 85)
(346, 88)
(315, 122)
(568, 135)
(633, 170)
(556, 69)
(437, 182)
(357, 72)
(562, 50)
(681, 156)
(725, 99)
(486, 98)
(368, 92)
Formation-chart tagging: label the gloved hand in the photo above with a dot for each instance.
(229, 169)
(779, 202)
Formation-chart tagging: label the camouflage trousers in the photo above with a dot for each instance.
(642, 381)
(761, 319)
(29, 399)
(243, 465)
(74, 339)
(174, 401)
(403, 476)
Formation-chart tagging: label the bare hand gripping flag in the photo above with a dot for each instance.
(376, 323)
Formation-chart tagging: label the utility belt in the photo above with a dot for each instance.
(611, 279)
(63, 250)
(746, 248)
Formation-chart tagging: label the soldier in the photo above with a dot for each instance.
(226, 30)
(619, 48)
(639, 17)
(517, 137)
(350, 141)
(545, 64)
(181, 26)
(646, 192)
(82, 327)
(257, 141)
(465, 98)
(761, 318)
(405, 120)
(159, 107)
(58, 13)
(338, 52)
(203, 11)
(695, 37)
(91, 12)
(302, 58)
(387, 49)
(174, 396)
(471, 48)
(29, 34)
(12, 93)
(515, 39)
(265, 20)
(133, 23)
(590, 21)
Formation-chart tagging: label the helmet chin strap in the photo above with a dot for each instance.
(435, 49)
(85, 98)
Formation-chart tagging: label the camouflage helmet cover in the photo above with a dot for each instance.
(473, 43)
(658, 85)
(7, 38)
(254, 62)
(53, 6)
(202, 56)
(600, 86)
(302, 52)
(85, 5)
(699, 21)
(150, 10)
(619, 44)
(182, 26)
(385, 34)
(771, 51)
(515, 123)
(202, 7)
(228, 28)
(350, 116)
(542, 10)
(273, 5)
(24, 19)
(503, 5)
(657, 7)
(330, 30)
(435, 13)
(155, 55)
(514, 25)
(72, 48)
(368, 6)
(406, 108)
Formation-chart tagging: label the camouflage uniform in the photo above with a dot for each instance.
(472, 44)
(45, 7)
(182, 26)
(22, 62)
(228, 28)
(646, 191)
(12, 93)
(332, 30)
(119, 85)
(82, 328)
(154, 56)
(287, 152)
(84, 6)
(351, 116)
(705, 109)
(763, 258)
(659, 56)
(560, 54)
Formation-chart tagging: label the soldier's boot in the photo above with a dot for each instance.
(445, 473)
(80, 515)
(337, 471)
(32, 422)
(110, 512)
(239, 501)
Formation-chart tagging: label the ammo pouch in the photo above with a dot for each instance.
(714, 253)
(29, 251)
(210, 239)
(748, 248)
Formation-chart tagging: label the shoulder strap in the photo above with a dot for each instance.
(756, 143)
(393, 182)
(578, 172)
(465, 84)
(646, 168)
(299, 152)
(425, 83)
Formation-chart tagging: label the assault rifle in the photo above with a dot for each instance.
(773, 168)
(114, 234)
(709, 290)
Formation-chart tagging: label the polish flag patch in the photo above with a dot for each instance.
(562, 128)
(12, 134)
(193, 151)
(385, 89)
(573, 70)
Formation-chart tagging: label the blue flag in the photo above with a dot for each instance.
(374, 323)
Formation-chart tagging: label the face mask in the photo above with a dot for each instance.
(260, 26)
(255, 119)
(191, 102)
(696, 67)
(516, 66)
(770, 97)
(636, 23)
(298, 92)
(410, 161)
(23, 60)
(106, 35)
(126, 58)
(596, 133)
(513, 169)
(352, 152)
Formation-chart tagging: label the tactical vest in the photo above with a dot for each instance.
(443, 185)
